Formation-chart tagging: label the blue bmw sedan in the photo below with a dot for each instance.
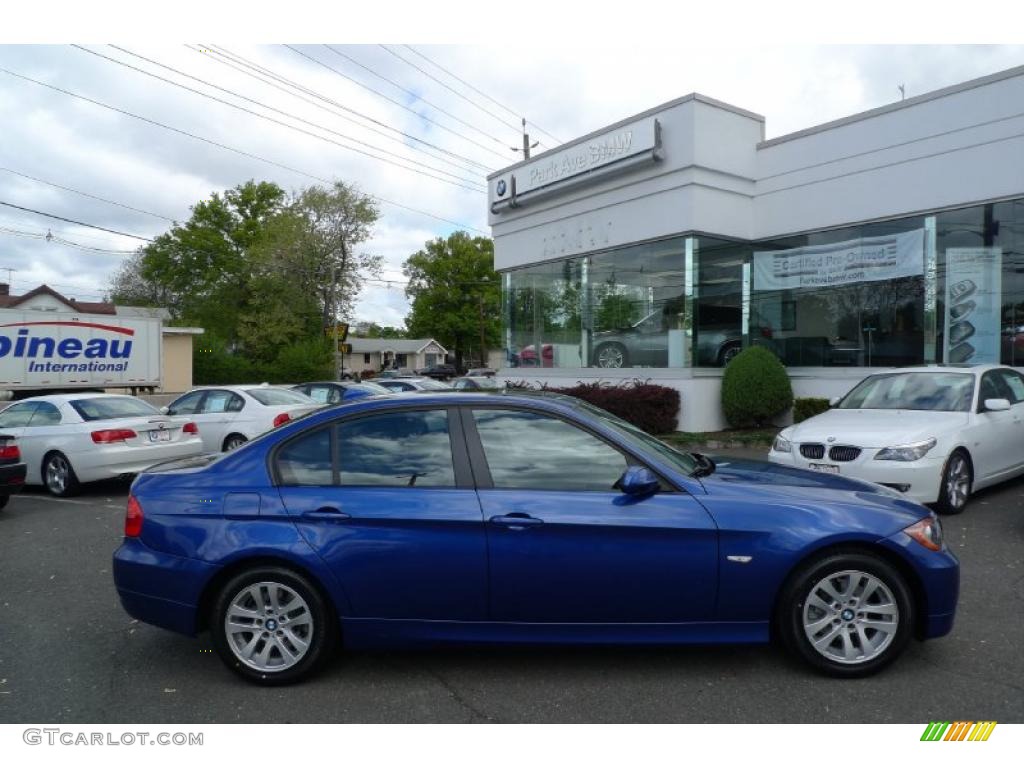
(520, 519)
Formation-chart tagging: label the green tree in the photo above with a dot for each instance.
(455, 294)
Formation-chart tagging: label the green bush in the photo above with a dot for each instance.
(212, 363)
(805, 407)
(755, 388)
(308, 360)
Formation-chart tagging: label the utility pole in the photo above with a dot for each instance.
(483, 340)
(527, 146)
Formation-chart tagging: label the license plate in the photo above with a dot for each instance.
(829, 469)
(159, 435)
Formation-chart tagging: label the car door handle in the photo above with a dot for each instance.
(327, 514)
(516, 521)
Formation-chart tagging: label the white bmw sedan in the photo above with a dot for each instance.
(230, 416)
(933, 433)
(66, 440)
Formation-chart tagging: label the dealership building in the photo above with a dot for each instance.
(660, 246)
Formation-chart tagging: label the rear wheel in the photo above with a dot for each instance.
(58, 475)
(847, 614)
(272, 626)
(611, 355)
(955, 489)
(233, 441)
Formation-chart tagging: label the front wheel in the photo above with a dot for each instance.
(611, 356)
(847, 614)
(58, 475)
(955, 488)
(272, 626)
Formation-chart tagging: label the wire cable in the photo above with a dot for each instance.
(73, 221)
(86, 194)
(237, 151)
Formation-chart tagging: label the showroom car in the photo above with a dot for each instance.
(66, 440)
(230, 416)
(334, 392)
(935, 434)
(513, 519)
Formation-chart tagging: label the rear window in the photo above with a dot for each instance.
(99, 408)
(273, 396)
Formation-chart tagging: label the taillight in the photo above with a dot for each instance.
(10, 451)
(133, 518)
(190, 429)
(104, 436)
(281, 418)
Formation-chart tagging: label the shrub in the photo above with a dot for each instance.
(212, 363)
(755, 388)
(650, 407)
(307, 360)
(805, 407)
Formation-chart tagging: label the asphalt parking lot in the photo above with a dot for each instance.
(69, 654)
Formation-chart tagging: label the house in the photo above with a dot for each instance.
(380, 354)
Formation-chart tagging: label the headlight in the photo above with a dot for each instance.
(927, 533)
(911, 452)
(782, 445)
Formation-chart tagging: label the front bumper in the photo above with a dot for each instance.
(924, 477)
(938, 579)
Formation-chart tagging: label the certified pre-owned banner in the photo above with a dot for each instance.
(973, 303)
(885, 257)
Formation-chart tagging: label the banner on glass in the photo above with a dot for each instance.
(885, 257)
(973, 305)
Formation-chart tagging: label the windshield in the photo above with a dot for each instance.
(98, 408)
(635, 437)
(924, 391)
(275, 396)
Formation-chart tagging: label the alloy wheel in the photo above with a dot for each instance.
(850, 617)
(958, 482)
(610, 357)
(57, 473)
(269, 626)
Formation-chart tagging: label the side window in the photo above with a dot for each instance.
(540, 452)
(236, 403)
(17, 415)
(306, 460)
(217, 401)
(187, 404)
(46, 415)
(324, 393)
(1013, 385)
(992, 388)
(404, 448)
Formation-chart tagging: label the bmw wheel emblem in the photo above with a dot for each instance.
(501, 188)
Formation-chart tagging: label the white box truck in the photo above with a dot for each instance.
(45, 352)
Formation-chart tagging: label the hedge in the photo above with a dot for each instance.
(755, 388)
(805, 407)
(652, 408)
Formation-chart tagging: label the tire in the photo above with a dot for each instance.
(836, 649)
(59, 476)
(955, 484)
(262, 656)
(726, 355)
(3, 501)
(611, 355)
(234, 441)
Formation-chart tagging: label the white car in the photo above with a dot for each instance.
(412, 384)
(66, 440)
(933, 433)
(230, 416)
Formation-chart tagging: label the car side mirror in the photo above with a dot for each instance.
(997, 404)
(833, 402)
(638, 481)
(165, 410)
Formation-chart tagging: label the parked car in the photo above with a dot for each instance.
(481, 372)
(230, 416)
(334, 392)
(412, 384)
(393, 373)
(936, 434)
(440, 371)
(517, 519)
(12, 469)
(69, 439)
(476, 383)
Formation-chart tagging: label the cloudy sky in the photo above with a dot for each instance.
(432, 137)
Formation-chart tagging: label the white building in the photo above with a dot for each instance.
(661, 245)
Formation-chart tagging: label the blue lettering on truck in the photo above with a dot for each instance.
(96, 352)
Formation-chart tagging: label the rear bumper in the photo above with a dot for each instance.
(115, 461)
(12, 479)
(158, 588)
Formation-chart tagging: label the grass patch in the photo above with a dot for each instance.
(745, 437)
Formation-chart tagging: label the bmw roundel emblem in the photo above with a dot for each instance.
(501, 188)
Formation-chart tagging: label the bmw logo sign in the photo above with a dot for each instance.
(501, 188)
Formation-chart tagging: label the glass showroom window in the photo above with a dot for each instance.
(981, 284)
(634, 312)
(718, 298)
(849, 297)
(542, 315)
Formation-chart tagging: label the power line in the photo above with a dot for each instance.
(255, 71)
(73, 221)
(52, 238)
(86, 194)
(237, 151)
(411, 93)
(477, 90)
(291, 127)
(398, 103)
